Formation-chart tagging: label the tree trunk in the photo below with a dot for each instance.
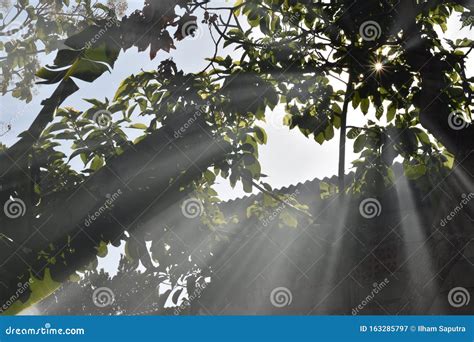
(342, 138)
(150, 176)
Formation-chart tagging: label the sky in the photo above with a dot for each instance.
(288, 158)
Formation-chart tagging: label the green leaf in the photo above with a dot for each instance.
(50, 76)
(106, 53)
(364, 106)
(329, 132)
(272, 99)
(138, 139)
(320, 138)
(414, 171)
(288, 219)
(82, 152)
(84, 158)
(354, 133)
(247, 185)
(138, 126)
(355, 100)
(260, 135)
(66, 135)
(58, 126)
(86, 70)
(379, 112)
(336, 108)
(209, 176)
(423, 137)
(95, 102)
(122, 89)
(268, 200)
(102, 250)
(97, 163)
(392, 109)
(359, 143)
(143, 103)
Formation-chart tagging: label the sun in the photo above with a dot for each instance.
(378, 66)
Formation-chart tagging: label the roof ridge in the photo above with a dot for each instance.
(291, 186)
